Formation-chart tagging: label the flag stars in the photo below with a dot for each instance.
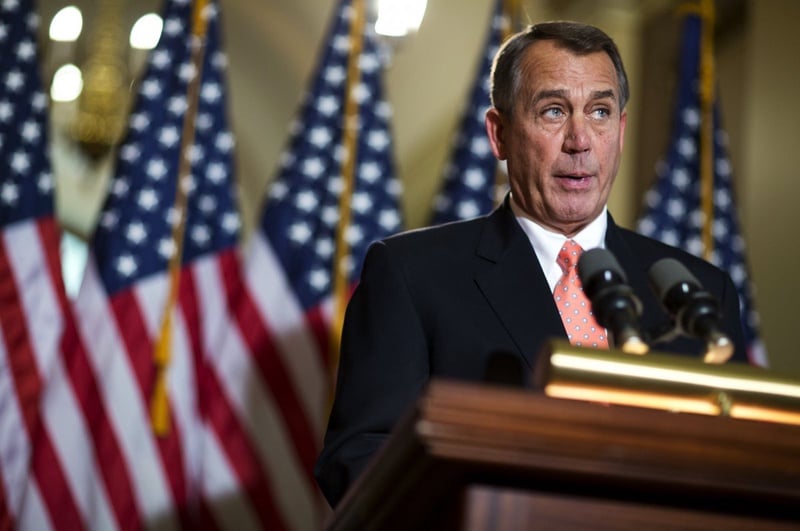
(216, 172)
(369, 172)
(320, 137)
(378, 140)
(480, 146)
(341, 43)
(324, 247)
(681, 178)
(200, 235)
(173, 26)
(15, 80)
(278, 190)
(177, 105)
(39, 101)
(691, 117)
(203, 122)
(160, 59)
(319, 279)
(130, 152)
(327, 105)
(211, 92)
(20, 162)
(361, 93)
(330, 216)
(335, 75)
(368, 62)
(139, 121)
(300, 233)
(720, 229)
(166, 248)
(389, 220)
(467, 209)
(109, 220)
(694, 245)
(26, 50)
(156, 169)
(474, 178)
(306, 201)
(148, 199)
(354, 234)
(169, 136)
(151, 89)
(120, 187)
(361, 202)
(196, 153)
(313, 168)
(136, 233)
(676, 208)
(126, 265)
(224, 142)
(687, 148)
(6, 111)
(45, 183)
(207, 204)
(231, 223)
(9, 193)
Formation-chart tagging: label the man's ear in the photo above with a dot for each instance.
(495, 128)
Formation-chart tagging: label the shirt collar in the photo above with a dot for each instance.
(547, 243)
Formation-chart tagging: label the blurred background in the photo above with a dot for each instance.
(273, 45)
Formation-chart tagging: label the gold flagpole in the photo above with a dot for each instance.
(707, 75)
(341, 284)
(159, 403)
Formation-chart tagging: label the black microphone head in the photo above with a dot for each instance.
(668, 273)
(600, 261)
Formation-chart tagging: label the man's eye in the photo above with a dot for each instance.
(601, 113)
(553, 112)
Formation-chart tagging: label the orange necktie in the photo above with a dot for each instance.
(573, 306)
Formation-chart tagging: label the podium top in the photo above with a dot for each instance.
(460, 434)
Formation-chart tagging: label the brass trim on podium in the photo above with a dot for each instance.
(667, 382)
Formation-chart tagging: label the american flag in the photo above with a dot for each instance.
(469, 185)
(34, 311)
(208, 468)
(673, 211)
(302, 214)
(291, 257)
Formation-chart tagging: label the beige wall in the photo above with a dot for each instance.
(273, 45)
(771, 171)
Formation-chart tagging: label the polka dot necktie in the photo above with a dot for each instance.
(573, 306)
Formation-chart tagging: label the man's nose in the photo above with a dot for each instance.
(576, 139)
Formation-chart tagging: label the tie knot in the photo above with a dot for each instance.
(569, 254)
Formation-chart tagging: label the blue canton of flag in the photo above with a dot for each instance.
(140, 206)
(302, 212)
(673, 211)
(468, 189)
(23, 110)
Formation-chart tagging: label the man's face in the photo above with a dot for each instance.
(564, 138)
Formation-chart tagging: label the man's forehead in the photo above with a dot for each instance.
(549, 67)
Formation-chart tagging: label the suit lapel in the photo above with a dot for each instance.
(653, 314)
(515, 286)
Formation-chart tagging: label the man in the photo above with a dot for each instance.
(445, 301)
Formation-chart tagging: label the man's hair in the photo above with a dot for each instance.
(578, 38)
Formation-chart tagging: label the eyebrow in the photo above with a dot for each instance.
(562, 93)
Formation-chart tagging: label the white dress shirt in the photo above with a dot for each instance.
(547, 244)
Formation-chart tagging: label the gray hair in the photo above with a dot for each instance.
(579, 38)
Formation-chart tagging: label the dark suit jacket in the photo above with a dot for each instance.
(441, 302)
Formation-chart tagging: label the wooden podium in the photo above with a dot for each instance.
(477, 457)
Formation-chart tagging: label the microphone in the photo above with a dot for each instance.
(614, 304)
(695, 311)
